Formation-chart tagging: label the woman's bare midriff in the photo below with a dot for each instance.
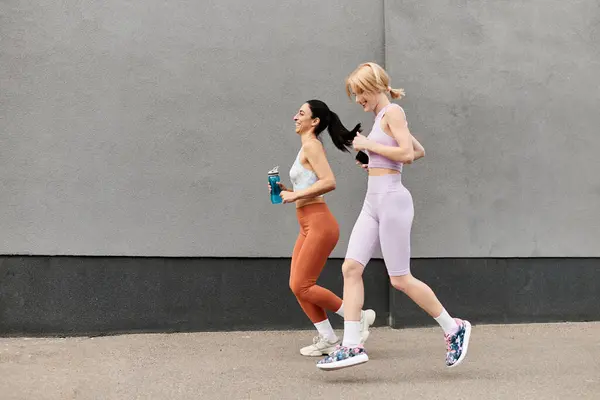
(382, 171)
(305, 202)
(372, 172)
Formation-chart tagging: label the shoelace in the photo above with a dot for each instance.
(317, 339)
(452, 340)
(449, 340)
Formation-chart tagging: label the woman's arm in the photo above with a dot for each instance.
(418, 148)
(398, 127)
(315, 154)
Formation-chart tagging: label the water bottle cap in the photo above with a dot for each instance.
(274, 171)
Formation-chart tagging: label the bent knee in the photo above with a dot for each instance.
(402, 282)
(295, 287)
(300, 289)
(352, 269)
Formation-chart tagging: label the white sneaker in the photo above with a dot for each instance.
(320, 347)
(367, 318)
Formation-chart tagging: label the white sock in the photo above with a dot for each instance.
(351, 334)
(447, 323)
(340, 312)
(324, 328)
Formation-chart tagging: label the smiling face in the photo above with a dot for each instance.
(304, 119)
(369, 85)
(367, 100)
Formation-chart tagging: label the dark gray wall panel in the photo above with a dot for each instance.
(505, 290)
(103, 295)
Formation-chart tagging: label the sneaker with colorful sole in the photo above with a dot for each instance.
(457, 344)
(343, 357)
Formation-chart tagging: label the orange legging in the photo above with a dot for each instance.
(319, 233)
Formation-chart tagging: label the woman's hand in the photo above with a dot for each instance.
(281, 186)
(288, 197)
(363, 166)
(418, 148)
(360, 142)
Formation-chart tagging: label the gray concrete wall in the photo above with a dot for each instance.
(505, 97)
(147, 128)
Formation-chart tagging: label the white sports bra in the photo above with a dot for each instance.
(301, 177)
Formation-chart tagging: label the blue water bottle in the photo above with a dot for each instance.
(275, 190)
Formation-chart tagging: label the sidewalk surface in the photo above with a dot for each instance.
(544, 361)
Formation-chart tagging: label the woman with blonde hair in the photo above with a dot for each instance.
(386, 218)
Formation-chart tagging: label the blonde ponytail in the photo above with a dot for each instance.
(372, 78)
(397, 93)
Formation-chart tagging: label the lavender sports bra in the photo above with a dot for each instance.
(378, 135)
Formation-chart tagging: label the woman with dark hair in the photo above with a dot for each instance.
(311, 178)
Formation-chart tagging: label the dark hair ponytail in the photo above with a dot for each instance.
(342, 138)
